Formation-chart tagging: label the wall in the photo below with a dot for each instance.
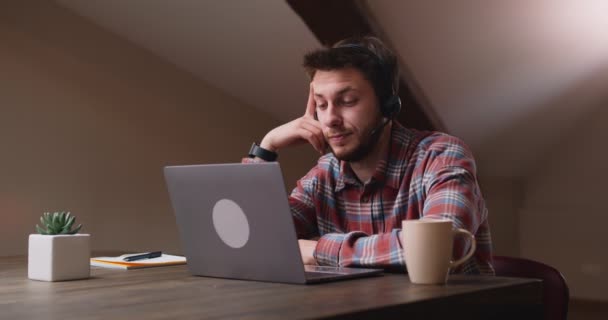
(87, 122)
(504, 199)
(565, 215)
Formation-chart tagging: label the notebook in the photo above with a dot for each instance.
(119, 262)
(234, 222)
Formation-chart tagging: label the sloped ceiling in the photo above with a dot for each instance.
(251, 50)
(510, 77)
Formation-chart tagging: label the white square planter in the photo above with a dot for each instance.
(59, 257)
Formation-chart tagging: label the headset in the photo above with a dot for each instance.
(391, 106)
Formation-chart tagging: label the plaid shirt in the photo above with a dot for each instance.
(424, 174)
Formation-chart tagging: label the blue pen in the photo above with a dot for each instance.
(149, 255)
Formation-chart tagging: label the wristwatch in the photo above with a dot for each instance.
(266, 155)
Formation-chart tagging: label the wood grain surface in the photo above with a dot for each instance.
(172, 293)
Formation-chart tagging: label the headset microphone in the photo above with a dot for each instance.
(389, 110)
(378, 128)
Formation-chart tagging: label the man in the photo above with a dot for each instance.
(349, 207)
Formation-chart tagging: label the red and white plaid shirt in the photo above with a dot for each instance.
(424, 174)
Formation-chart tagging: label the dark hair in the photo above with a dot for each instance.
(367, 54)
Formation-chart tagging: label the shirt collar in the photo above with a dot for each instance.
(389, 170)
(398, 160)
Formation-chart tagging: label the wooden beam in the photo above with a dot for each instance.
(334, 20)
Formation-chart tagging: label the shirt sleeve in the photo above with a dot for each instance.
(357, 249)
(302, 205)
(450, 191)
(453, 193)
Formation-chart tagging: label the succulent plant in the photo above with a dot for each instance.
(57, 223)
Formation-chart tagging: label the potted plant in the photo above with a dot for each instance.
(58, 252)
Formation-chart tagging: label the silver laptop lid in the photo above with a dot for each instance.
(234, 221)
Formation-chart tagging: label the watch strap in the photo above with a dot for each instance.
(266, 155)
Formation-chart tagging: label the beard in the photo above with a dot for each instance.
(368, 140)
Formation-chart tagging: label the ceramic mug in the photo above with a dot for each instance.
(427, 247)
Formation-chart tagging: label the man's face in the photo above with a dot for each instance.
(348, 111)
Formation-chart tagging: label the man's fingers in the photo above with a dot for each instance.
(317, 134)
(311, 106)
(312, 138)
(315, 128)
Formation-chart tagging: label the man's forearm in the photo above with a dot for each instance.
(357, 249)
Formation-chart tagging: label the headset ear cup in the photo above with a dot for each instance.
(391, 107)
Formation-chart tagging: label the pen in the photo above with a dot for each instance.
(149, 255)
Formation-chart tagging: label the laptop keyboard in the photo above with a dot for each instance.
(317, 271)
(324, 272)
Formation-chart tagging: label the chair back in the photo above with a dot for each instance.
(555, 289)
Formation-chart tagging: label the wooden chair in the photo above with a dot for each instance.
(555, 290)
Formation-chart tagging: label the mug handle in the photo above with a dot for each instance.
(466, 257)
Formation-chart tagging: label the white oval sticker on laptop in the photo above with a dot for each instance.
(230, 223)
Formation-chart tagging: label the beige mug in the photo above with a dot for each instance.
(427, 247)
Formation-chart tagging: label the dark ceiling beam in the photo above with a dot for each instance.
(334, 20)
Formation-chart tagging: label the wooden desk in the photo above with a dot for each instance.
(171, 293)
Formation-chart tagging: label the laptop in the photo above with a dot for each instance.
(234, 222)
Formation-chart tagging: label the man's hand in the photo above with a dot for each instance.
(307, 248)
(301, 130)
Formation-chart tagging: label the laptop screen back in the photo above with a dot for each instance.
(234, 221)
